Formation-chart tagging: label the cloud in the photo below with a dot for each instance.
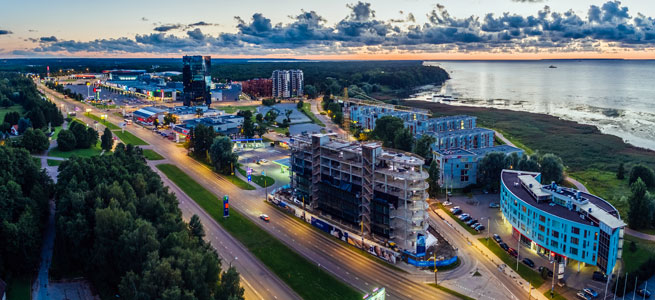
(360, 30)
(144, 19)
(48, 39)
(5, 32)
(528, 1)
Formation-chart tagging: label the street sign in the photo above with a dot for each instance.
(226, 207)
(249, 178)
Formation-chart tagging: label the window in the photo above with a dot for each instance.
(523, 208)
(555, 234)
(573, 251)
(574, 240)
(583, 254)
(540, 237)
(575, 230)
(585, 233)
(553, 243)
(542, 228)
(542, 218)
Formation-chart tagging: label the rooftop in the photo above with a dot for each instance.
(500, 148)
(460, 132)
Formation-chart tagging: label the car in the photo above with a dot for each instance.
(471, 221)
(457, 212)
(497, 238)
(447, 203)
(494, 205)
(528, 262)
(462, 216)
(550, 273)
(474, 225)
(644, 293)
(582, 295)
(480, 228)
(452, 209)
(512, 252)
(590, 292)
(467, 218)
(264, 160)
(264, 217)
(598, 276)
(504, 246)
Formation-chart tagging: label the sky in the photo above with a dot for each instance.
(330, 29)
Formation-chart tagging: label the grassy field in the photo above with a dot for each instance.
(589, 155)
(151, 155)
(307, 279)
(258, 179)
(556, 296)
(54, 162)
(307, 110)
(526, 272)
(57, 130)
(632, 260)
(232, 109)
(449, 291)
(110, 125)
(129, 138)
(468, 228)
(19, 289)
(95, 150)
(239, 182)
(16, 108)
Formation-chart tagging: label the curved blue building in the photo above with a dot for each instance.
(562, 222)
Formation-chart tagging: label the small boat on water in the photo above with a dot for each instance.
(552, 67)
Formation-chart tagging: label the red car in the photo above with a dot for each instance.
(512, 252)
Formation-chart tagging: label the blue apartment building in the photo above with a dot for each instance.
(561, 222)
(459, 167)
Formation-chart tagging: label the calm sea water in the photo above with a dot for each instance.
(616, 96)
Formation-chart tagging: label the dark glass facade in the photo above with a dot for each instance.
(196, 78)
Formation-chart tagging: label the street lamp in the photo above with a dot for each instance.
(235, 258)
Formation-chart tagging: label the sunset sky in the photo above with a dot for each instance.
(335, 29)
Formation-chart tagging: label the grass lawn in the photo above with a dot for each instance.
(307, 110)
(151, 155)
(95, 150)
(118, 114)
(57, 130)
(239, 182)
(19, 289)
(109, 125)
(449, 291)
(54, 163)
(232, 109)
(632, 260)
(556, 296)
(468, 228)
(258, 179)
(524, 271)
(305, 278)
(6, 110)
(129, 138)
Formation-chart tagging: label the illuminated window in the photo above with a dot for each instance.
(542, 218)
(542, 228)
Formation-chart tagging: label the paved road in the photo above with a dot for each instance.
(41, 284)
(343, 262)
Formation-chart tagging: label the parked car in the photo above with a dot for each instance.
(264, 217)
(480, 228)
(528, 262)
(644, 293)
(504, 246)
(497, 238)
(550, 273)
(582, 295)
(447, 203)
(494, 205)
(462, 216)
(590, 292)
(457, 211)
(474, 225)
(452, 209)
(471, 221)
(512, 252)
(467, 218)
(598, 276)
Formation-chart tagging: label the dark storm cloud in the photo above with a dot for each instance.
(48, 39)
(5, 32)
(309, 33)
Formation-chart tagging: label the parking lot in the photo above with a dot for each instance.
(477, 206)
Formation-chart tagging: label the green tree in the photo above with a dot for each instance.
(645, 173)
(203, 136)
(490, 168)
(528, 163)
(260, 131)
(403, 139)
(37, 118)
(169, 119)
(271, 115)
(34, 140)
(195, 227)
(640, 213)
(620, 172)
(107, 140)
(423, 146)
(23, 124)
(287, 113)
(310, 91)
(66, 140)
(300, 104)
(222, 157)
(230, 286)
(259, 118)
(433, 179)
(552, 169)
(248, 127)
(385, 128)
(12, 118)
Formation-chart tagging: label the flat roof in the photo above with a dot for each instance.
(533, 185)
(500, 148)
(458, 132)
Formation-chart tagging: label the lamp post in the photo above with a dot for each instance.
(435, 268)
(552, 284)
(518, 252)
(235, 258)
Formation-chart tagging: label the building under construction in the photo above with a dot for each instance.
(382, 192)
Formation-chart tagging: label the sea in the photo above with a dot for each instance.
(617, 96)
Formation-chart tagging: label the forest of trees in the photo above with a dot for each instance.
(18, 89)
(122, 228)
(24, 195)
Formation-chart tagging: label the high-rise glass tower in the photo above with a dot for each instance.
(196, 77)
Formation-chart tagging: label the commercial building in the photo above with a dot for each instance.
(123, 75)
(223, 124)
(184, 113)
(226, 92)
(197, 80)
(287, 83)
(147, 115)
(381, 191)
(260, 87)
(459, 168)
(561, 222)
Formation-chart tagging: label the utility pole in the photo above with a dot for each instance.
(625, 284)
(518, 252)
(435, 268)
(303, 207)
(552, 285)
